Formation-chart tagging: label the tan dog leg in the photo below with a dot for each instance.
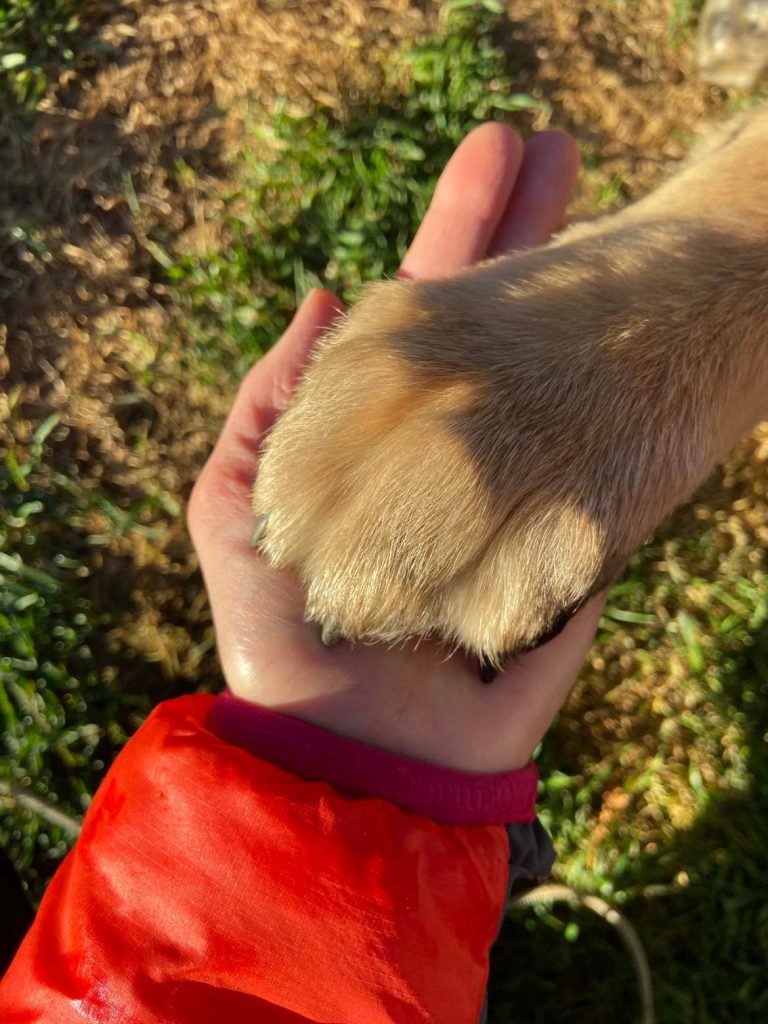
(474, 457)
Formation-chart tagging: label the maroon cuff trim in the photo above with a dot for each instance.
(447, 796)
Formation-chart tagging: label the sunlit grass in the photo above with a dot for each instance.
(335, 200)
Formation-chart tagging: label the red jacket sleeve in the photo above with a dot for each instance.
(210, 885)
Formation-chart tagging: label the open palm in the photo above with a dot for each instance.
(494, 195)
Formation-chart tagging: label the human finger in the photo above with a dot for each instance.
(472, 194)
(537, 205)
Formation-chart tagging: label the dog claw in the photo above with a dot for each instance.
(330, 635)
(488, 671)
(259, 529)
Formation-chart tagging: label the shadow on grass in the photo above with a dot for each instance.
(102, 612)
(699, 904)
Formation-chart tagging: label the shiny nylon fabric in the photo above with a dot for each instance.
(209, 886)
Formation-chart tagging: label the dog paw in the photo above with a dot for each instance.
(472, 459)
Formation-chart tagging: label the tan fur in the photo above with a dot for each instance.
(473, 457)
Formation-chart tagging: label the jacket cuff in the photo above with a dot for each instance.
(445, 795)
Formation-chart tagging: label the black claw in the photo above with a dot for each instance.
(488, 671)
(330, 635)
(259, 529)
(556, 627)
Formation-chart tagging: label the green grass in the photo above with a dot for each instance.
(689, 875)
(338, 199)
(63, 718)
(683, 20)
(673, 712)
(37, 37)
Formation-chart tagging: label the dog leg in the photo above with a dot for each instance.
(473, 458)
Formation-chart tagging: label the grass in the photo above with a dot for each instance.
(655, 779)
(37, 37)
(670, 824)
(683, 19)
(63, 717)
(338, 200)
(61, 722)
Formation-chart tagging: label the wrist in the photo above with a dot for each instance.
(407, 718)
(448, 796)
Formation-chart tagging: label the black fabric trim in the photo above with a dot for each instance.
(531, 857)
(531, 854)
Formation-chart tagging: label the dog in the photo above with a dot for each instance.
(473, 458)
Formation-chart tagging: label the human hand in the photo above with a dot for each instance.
(494, 195)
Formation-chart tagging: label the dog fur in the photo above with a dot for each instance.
(472, 458)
